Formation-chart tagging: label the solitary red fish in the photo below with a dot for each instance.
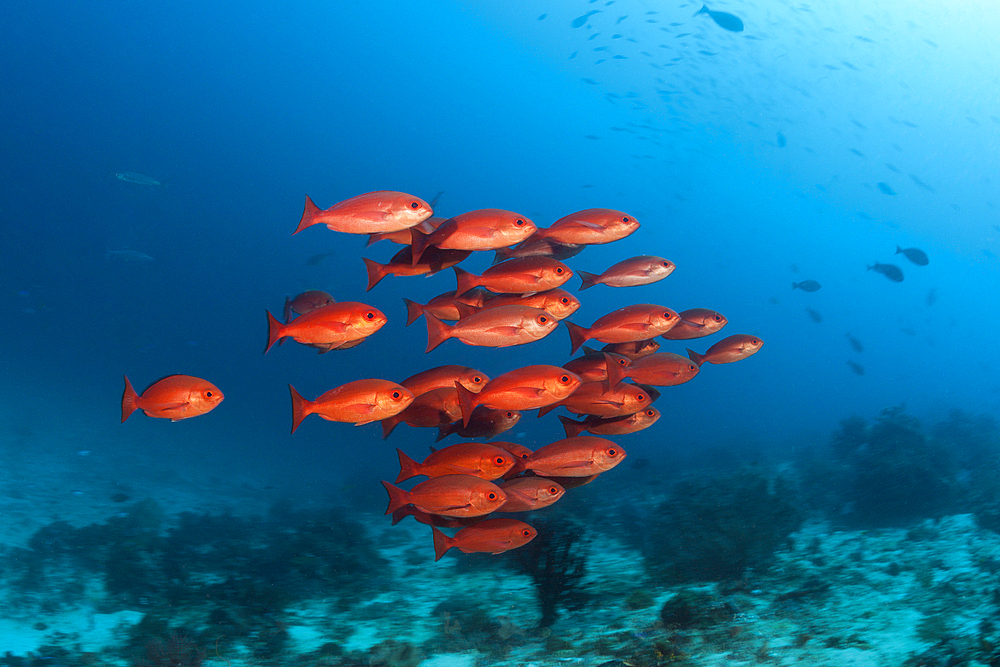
(520, 389)
(581, 456)
(328, 327)
(589, 227)
(625, 325)
(485, 229)
(492, 536)
(696, 323)
(642, 270)
(383, 211)
(466, 458)
(360, 402)
(516, 276)
(175, 397)
(449, 495)
(493, 327)
(728, 350)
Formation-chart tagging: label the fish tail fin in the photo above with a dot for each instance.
(401, 514)
(467, 401)
(573, 428)
(546, 409)
(445, 430)
(898, 250)
(437, 332)
(589, 280)
(407, 467)
(465, 281)
(376, 272)
(441, 543)
(704, 10)
(616, 372)
(301, 408)
(418, 244)
(129, 398)
(577, 335)
(288, 309)
(397, 497)
(502, 255)
(794, 284)
(274, 329)
(389, 425)
(695, 357)
(413, 311)
(309, 214)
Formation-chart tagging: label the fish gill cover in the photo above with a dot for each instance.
(158, 163)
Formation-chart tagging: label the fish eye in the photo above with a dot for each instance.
(477, 379)
(553, 490)
(559, 271)
(520, 223)
(612, 451)
(754, 341)
(666, 316)
(499, 461)
(564, 379)
(397, 395)
(542, 319)
(526, 532)
(208, 394)
(650, 413)
(691, 367)
(718, 318)
(622, 362)
(640, 398)
(509, 414)
(370, 315)
(625, 219)
(414, 205)
(491, 496)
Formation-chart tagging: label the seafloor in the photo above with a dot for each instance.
(177, 569)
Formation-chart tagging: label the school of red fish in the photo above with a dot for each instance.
(516, 301)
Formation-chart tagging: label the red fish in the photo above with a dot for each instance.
(382, 211)
(465, 458)
(696, 323)
(431, 409)
(559, 303)
(485, 229)
(592, 226)
(625, 325)
(403, 236)
(328, 327)
(728, 350)
(663, 369)
(575, 457)
(593, 399)
(633, 350)
(521, 454)
(642, 270)
(503, 326)
(611, 425)
(449, 495)
(175, 397)
(401, 264)
(533, 247)
(445, 377)
(526, 494)
(444, 306)
(484, 423)
(600, 367)
(306, 302)
(360, 402)
(517, 276)
(492, 536)
(520, 389)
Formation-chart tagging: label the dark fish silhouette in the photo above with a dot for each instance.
(807, 286)
(814, 315)
(890, 271)
(932, 296)
(918, 257)
(855, 343)
(886, 190)
(722, 19)
(782, 142)
(856, 367)
(580, 20)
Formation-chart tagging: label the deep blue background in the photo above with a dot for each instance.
(241, 109)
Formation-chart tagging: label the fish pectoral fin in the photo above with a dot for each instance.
(634, 326)
(608, 401)
(505, 330)
(172, 407)
(589, 225)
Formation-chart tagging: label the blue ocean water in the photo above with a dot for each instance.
(752, 160)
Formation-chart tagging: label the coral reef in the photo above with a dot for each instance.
(556, 561)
